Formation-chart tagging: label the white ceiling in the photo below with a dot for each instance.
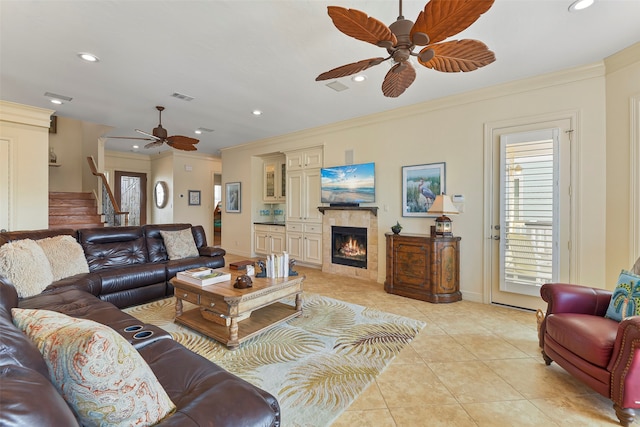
(234, 56)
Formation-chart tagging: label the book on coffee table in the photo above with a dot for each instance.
(203, 276)
(241, 265)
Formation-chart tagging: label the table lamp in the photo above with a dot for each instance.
(443, 206)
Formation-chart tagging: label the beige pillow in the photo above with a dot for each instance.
(179, 244)
(26, 265)
(65, 256)
(100, 375)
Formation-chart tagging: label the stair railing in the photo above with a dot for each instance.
(112, 214)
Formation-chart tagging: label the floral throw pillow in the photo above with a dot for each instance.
(625, 301)
(179, 244)
(99, 374)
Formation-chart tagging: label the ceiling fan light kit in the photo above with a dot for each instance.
(439, 20)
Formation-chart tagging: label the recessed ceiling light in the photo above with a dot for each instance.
(359, 78)
(89, 57)
(256, 112)
(135, 147)
(56, 101)
(580, 4)
(198, 131)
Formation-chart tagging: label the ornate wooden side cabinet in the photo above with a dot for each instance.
(423, 267)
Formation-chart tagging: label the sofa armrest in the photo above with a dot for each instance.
(8, 296)
(566, 298)
(625, 364)
(88, 282)
(211, 251)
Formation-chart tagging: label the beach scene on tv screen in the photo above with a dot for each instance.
(348, 184)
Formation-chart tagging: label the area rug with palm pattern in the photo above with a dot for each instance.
(315, 365)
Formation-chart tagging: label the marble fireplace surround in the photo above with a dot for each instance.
(366, 217)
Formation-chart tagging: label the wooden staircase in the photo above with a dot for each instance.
(73, 210)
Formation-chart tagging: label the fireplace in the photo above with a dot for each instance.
(349, 246)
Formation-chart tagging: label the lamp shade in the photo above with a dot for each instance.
(443, 205)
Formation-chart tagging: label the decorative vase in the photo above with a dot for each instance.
(396, 229)
(52, 156)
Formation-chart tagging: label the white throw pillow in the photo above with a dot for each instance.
(179, 244)
(65, 255)
(26, 265)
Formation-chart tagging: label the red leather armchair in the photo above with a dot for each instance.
(602, 353)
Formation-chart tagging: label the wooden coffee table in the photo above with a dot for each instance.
(231, 315)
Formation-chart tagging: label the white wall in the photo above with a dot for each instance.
(193, 171)
(27, 131)
(451, 130)
(623, 84)
(172, 167)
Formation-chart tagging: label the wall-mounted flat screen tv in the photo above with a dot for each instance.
(349, 184)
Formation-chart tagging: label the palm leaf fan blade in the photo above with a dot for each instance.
(359, 25)
(459, 56)
(347, 70)
(153, 144)
(396, 82)
(444, 18)
(180, 142)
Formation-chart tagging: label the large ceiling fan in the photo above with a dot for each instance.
(159, 137)
(439, 19)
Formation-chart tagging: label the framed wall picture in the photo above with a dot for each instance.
(420, 186)
(194, 197)
(233, 196)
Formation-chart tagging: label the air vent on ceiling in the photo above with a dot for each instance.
(182, 96)
(337, 86)
(56, 96)
(205, 130)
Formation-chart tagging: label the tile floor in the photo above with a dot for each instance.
(472, 365)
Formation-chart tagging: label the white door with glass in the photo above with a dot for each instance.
(531, 213)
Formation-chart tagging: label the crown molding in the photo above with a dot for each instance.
(624, 58)
(557, 78)
(25, 114)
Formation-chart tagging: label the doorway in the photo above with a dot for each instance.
(130, 192)
(529, 210)
(217, 212)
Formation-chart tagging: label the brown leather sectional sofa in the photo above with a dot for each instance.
(128, 266)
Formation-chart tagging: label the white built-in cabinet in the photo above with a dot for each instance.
(274, 189)
(269, 239)
(304, 220)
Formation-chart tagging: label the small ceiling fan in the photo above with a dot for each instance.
(439, 19)
(159, 137)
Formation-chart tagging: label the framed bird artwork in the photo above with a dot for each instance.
(420, 186)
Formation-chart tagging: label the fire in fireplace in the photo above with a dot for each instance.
(349, 246)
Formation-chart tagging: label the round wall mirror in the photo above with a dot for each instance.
(162, 194)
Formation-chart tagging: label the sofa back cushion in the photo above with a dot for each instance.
(157, 251)
(12, 236)
(28, 398)
(111, 247)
